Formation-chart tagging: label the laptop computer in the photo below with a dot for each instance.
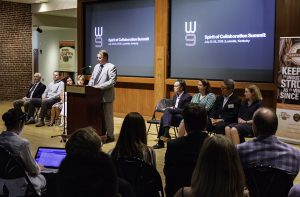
(50, 158)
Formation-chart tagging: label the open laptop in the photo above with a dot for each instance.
(50, 158)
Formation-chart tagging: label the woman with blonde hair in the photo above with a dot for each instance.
(253, 100)
(218, 172)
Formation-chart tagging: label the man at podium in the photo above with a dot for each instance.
(104, 77)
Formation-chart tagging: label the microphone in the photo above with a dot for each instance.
(89, 66)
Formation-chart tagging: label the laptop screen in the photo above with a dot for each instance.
(50, 157)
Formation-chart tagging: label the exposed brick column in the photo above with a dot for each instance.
(15, 49)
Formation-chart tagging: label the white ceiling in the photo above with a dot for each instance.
(65, 12)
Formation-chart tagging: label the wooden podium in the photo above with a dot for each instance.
(84, 109)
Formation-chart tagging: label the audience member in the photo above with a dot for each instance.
(10, 139)
(86, 171)
(58, 108)
(204, 97)
(253, 101)
(182, 153)
(80, 80)
(132, 140)
(35, 90)
(49, 97)
(225, 109)
(173, 115)
(104, 77)
(266, 149)
(218, 171)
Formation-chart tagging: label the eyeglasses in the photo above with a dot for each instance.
(99, 58)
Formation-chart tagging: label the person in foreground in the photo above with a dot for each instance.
(132, 140)
(205, 97)
(86, 171)
(253, 101)
(218, 172)
(10, 139)
(173, 115)
(266, 149)
(182, 153)
(104, 77)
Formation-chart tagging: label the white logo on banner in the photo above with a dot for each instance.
(98, 37)
(190, 36)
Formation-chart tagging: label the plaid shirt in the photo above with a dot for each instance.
(271, 152)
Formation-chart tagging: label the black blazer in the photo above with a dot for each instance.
(38, 92)
(229, 113)
(180, 160)
(183, 101)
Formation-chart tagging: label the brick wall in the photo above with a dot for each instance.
(15, 49)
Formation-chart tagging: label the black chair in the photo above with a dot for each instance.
(159, 108)
(13, 179)
(143, 177)
(263, 181)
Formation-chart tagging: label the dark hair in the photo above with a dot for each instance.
(218, 169)
(182, 84)
(56, 71)
(195, 117)
(12, 118)
(91, 176)
(265, 122)
(206, 84)
(84, 141)
(229, 83)
(69, 77)
(132, 141)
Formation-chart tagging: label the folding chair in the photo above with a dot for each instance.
(13, 179)
(159, 108)
(265, 181)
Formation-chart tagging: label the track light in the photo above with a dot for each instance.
(38, 29)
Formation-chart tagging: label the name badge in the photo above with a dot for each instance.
(230, 106)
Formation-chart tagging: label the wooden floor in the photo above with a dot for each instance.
(41, 136)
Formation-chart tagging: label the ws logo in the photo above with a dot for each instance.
(190, 33)
(98, 37)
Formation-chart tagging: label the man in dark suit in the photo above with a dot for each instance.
(35, 90)
(173, 115)
(225, 109)
(182, 153)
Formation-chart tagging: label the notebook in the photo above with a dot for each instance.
(50, 158)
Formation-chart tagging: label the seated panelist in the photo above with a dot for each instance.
(205, 98)
(225, 109)
(49, 97)
(35, 90)
(173, 115)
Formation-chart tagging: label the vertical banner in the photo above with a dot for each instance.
(288, 100)
(67, 56)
